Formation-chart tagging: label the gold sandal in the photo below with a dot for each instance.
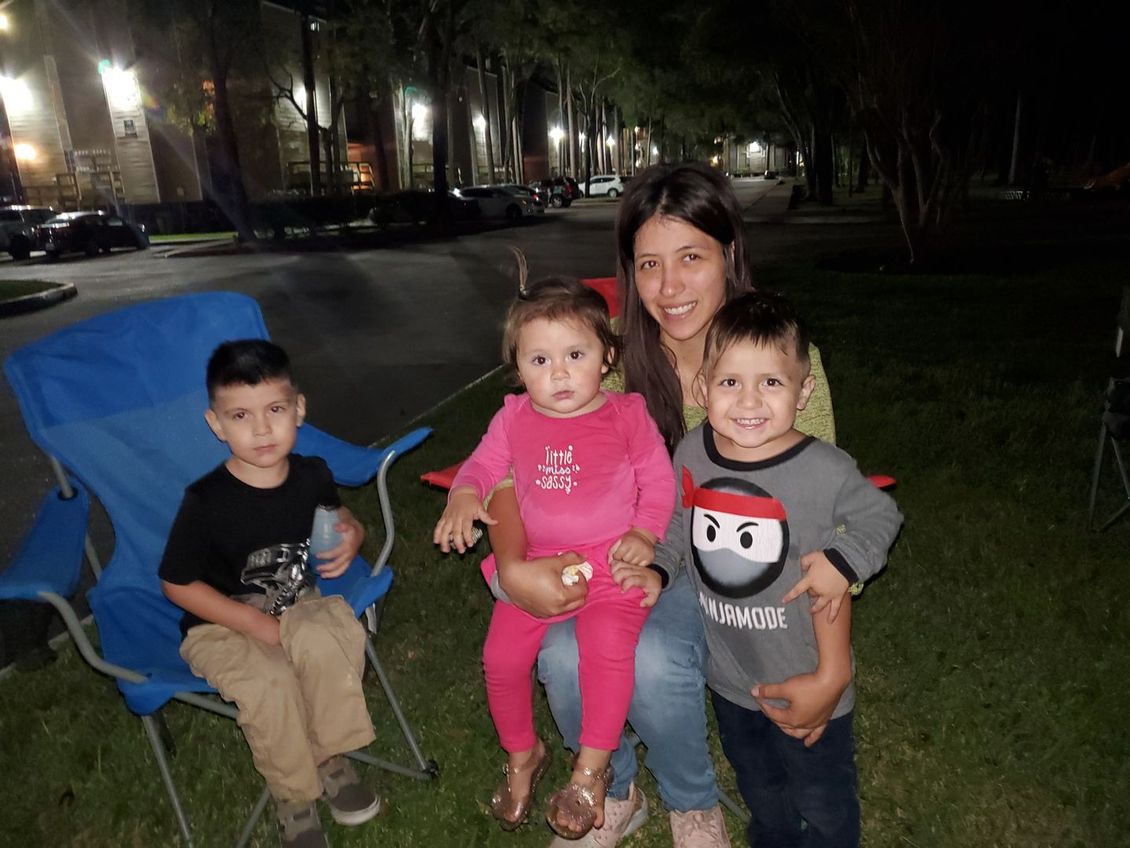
(578, 803)
(503, 800)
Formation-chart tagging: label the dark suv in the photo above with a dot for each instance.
(562, 191)
(17, 228)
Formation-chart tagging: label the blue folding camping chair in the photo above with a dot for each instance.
(116, 402)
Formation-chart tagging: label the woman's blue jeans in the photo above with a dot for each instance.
(668, 709)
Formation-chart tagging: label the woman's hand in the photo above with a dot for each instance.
(535, 585)
(823, 583)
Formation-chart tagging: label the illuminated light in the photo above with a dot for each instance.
(16, 94)
(480, 122)
(300, 99)
(610, 141)
(121, 87)
(754, 147)
(25, 153)
(557, 134)
(419, 112)
(654, 150)
(5, 24)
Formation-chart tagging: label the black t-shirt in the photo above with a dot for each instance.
(241, 540)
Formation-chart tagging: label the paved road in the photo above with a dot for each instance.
(377, 336)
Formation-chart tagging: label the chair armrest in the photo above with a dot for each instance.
(353, 465)
(50, 557)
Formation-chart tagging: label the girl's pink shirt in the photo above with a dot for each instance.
(581, 482)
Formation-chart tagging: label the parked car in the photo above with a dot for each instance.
(415, 206)
(500, 203)
(605, 185)
(539, 199)
(558, 193)
(17, 228)
(87, 232)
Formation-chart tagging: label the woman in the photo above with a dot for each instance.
(681, 256)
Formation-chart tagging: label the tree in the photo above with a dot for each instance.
(918, 86)
(210, 39)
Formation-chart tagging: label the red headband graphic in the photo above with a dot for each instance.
(729, 502)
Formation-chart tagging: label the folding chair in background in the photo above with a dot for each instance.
(116, 402)
(1115, 426)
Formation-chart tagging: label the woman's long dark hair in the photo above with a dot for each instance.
(702, 197)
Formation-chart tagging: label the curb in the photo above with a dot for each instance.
(40, 300)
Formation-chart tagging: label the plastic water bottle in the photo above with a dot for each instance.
(323, 537)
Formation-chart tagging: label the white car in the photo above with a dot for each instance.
(500, 203)
(525, 191)
(605, 185)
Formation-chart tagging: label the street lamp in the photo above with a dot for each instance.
(556, 134)
(25, 152)
(16, 94)
(480, 122)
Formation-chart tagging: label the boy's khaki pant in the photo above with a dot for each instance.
(300, 702)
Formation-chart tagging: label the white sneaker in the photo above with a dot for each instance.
(621, 819)
(700, 829)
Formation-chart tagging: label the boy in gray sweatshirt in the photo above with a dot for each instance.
(760, 501)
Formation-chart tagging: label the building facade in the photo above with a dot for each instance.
(83, 121)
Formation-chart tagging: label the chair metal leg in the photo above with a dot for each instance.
(425, 766)
(1095, 477)
(1122, 472)
(249, 828)
(154, 734)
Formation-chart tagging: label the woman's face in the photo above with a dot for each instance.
(680, 276)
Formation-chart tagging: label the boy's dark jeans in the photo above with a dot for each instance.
(783, 783)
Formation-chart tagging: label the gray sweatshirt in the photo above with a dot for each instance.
(740, 529)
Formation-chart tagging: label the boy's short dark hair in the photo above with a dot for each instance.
(761, 317)
(246, 362)
(559, 299)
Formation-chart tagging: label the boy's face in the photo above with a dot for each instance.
(259, 424)
(753, 394)
(561, 364)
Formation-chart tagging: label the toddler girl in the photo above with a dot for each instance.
(592, 475)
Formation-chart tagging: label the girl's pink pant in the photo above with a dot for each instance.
(608, 628)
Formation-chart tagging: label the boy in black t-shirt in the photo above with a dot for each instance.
(254, 625)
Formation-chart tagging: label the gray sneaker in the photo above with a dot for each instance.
(622, 818)
(299, 826)
(350, 801)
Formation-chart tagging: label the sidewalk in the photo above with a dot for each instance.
(771, 207)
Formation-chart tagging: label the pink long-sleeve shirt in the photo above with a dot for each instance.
(581, 482)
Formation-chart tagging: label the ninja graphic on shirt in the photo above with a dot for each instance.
(739, 535)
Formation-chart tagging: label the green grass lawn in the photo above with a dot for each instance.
(11, 289)
(992, 661)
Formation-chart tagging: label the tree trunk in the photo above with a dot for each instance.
(237, 208)
(486, 114)
(574, 136)
(382, 176)
(312, 141)
(507, 147)
(823, 164)
(1014, 162)
(864, 174)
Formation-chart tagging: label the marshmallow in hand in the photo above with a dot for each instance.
(571, 574)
